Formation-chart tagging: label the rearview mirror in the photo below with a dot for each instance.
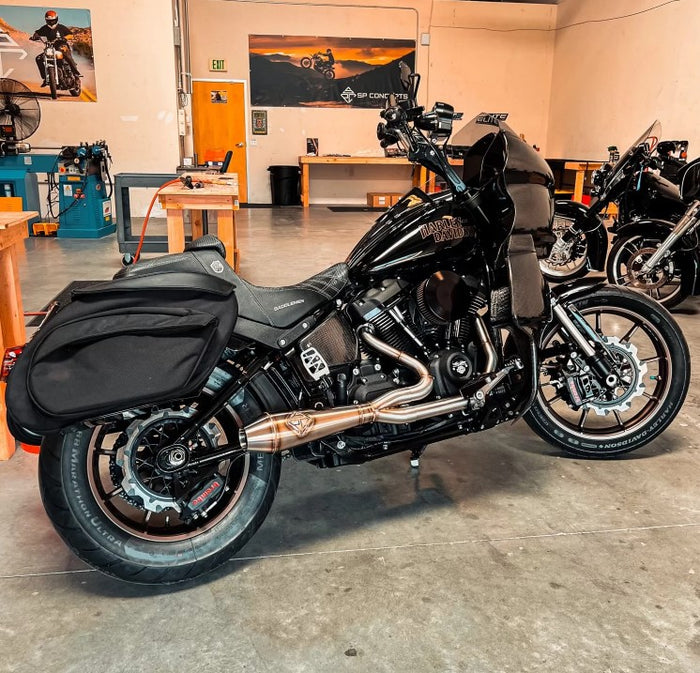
(409, 81)
(405, 75)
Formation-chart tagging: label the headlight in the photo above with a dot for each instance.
(50, 52)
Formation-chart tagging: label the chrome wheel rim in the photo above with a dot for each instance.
(662, 286)
(651, 350)
(561, 262)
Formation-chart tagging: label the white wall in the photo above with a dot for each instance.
(478, 65)
(136, 111)
(612, 79)
(472, 69)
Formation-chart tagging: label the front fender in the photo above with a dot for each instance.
(591, 225)
(635, 227)
(575, 288)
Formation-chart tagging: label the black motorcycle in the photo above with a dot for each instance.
(59, 74)
(320, 64)
(640, 194)
(167, 397)
(658, 257)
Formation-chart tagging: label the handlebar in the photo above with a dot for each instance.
(405, 124)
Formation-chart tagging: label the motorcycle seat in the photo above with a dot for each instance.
(285, 306)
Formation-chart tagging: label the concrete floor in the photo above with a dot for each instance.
(500, 555)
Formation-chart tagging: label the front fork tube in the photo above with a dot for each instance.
(685, 224)
(582, 334)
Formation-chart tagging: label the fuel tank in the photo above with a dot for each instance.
(656, 198)
(417, 229)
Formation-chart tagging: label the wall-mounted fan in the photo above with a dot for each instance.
(20, 115)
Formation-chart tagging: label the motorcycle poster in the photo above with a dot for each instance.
(50, 50)
(342, 72)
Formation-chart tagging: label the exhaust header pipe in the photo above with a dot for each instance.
(280, 432)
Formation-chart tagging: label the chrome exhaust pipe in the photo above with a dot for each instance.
(279, 432)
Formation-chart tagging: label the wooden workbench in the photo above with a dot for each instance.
(581, 168)
(13, 230)
(419, 174)
(223, 198)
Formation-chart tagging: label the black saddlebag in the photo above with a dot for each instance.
(116, 347)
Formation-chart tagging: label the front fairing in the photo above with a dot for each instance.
(418, 229)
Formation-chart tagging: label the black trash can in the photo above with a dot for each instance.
(284, 185)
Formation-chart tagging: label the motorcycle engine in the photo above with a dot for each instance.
(433, 323)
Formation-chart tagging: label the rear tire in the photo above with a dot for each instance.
(70, 499)
(670, 380)
(329, 74)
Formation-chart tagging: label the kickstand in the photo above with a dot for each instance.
(416, 453)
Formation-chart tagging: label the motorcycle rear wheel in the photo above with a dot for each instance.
(125, 536)
(629, 252)
(654, 397)
(329, 74)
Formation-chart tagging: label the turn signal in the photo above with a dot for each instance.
(8, 361)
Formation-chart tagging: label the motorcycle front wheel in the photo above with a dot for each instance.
(567, 260)
(668, 285)
(108, 497)
(653, 364)
(52, 84)
(306, 62)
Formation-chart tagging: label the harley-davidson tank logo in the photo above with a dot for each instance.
(412, 201)
(446, 229)
(299, 423)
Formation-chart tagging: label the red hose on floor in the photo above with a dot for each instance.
(148, 215)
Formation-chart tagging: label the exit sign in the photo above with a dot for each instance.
(217, 65)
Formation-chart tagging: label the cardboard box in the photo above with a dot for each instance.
(382, 199)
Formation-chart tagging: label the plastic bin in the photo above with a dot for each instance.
(284, 185)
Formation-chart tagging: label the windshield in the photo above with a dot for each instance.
(650, 137)
(478, 133)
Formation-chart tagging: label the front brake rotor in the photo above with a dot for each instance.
(631, 371)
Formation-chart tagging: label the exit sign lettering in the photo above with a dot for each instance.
(217, 65)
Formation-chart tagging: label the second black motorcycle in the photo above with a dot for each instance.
(165, 398)
(636, 184)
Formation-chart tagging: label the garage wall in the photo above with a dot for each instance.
(452, 68)
(612, 79)
(495, 57)
(136, 111)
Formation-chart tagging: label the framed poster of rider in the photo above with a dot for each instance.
(342, 72)
(49, 49)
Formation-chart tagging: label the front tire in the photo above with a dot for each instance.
(566, 261)
(108, 531)
(52, 84)
(669, 286)
(306, 62)
(624, 317)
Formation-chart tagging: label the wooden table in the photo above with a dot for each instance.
(581, 168)
(13, 230)
(419, 174)
(221, 198)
